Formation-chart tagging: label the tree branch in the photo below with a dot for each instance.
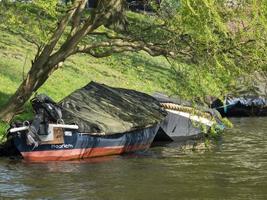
(76, 19)
(106, 48)
(99, 17)
(48, 49)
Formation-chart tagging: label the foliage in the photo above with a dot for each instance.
(215, 43)
(220, 54)
(227, 123)
(210, 35)
(3, 129)
(207, 43)
(34, 21)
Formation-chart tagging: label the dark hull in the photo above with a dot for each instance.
(181, 126)
(78, 146)
(177, 128)
(243, 111)
(241, 107)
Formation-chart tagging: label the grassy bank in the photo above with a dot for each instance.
(129, 70)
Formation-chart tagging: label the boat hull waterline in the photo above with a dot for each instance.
(79, 145)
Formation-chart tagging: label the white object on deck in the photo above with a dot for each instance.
(64, 126)
(23, 128)
(17, 129)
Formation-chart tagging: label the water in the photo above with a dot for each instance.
(235, 169)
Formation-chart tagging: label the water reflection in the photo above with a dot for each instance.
(235, 169)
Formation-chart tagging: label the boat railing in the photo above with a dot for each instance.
(65, 126)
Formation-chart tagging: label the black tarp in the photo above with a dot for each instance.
(247, 98)
(100, 109)
(243, 106)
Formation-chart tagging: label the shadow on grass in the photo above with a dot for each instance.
(3, 126)
(149, 63)
(154, 69)
(27, 113)
(3, 98)
(13, 74)
(71, 66)
(140, 64)
(11, 40)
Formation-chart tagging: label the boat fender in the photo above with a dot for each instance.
(32, 141)
(33, 137)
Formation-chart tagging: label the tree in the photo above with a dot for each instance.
(198, 34)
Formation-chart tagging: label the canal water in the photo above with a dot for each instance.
(236, 168)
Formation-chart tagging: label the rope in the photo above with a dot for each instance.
(172, 106)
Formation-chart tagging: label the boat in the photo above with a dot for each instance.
(69, 144)
(242, 106)
(248, 98)
(185, 122)
(96, 120)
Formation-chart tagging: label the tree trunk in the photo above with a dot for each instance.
(47, 62)
(15, 103)
(35, 79)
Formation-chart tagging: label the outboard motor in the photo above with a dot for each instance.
(48, 116)
(46, 111)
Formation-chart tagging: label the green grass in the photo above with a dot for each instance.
(137, 71)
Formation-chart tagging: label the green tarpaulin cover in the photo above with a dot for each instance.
(100, 109)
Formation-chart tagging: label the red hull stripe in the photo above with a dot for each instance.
(71, 154)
